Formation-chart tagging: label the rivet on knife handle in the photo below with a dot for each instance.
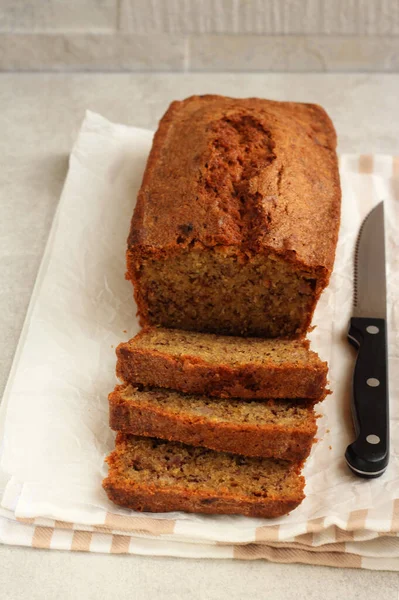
(368, 456)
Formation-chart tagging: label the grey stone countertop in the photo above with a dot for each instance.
(40, 115)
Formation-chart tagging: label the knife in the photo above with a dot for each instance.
(368, 455)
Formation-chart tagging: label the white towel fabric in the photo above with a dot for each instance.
(54, 415)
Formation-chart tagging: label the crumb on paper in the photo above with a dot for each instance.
(125, 331)
(112, 345)
(330, 447)
(327, 431)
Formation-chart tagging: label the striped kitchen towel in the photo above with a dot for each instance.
(54, 415)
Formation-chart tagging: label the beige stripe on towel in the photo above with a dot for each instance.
(81, 541)
(395, 516)
(283, 555)
(267, 533)
(42, 537)
(120, 544)
(26, 521)
(343, 536)
(315, 525)
(357, 520)
(366, 163)
(63, 525)
(305, 538)
(140, 524)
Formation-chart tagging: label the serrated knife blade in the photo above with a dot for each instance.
(368, 455)
(369, 294)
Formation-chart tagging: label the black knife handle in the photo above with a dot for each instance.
(368, 455)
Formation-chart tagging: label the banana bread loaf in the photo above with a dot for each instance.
(222, 366)
(152, 475)
(273, 428)
(237, 218)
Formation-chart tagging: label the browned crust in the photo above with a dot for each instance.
(265, 440)
(192, 375)
(155, 498)
(158, 500)
(303, 140)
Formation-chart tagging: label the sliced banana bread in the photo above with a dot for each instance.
(222, 366)
(236, 222)
(152, 475)
(273, 428)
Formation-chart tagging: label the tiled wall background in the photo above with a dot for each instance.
(199, 35)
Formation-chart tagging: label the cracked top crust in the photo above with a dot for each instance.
(254, 174)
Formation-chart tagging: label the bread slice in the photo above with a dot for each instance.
(151, 475)
(273, 428)
(222, 366)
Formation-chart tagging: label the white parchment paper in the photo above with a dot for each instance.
(56, 432)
